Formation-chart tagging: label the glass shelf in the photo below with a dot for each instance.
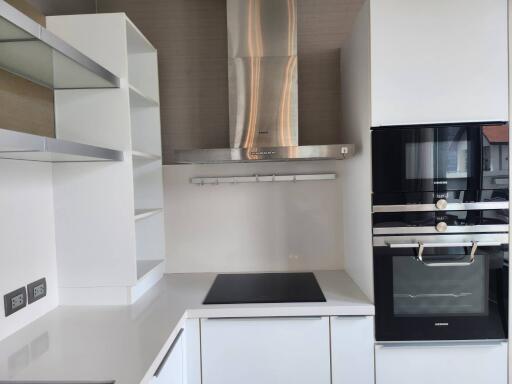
(34, 53)
(24, 146)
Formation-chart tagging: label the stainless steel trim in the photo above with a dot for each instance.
(433, 230)
(24, 146)
(19, 19)
(261, 178)
(244, 155)
(78, 57)
(449, 207)
(446, 343)
(168, 353)
(25, 23)
(422, 245)
(473, 244)
(412, 241)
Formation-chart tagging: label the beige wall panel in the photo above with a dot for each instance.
(26, 107)
(29, 10)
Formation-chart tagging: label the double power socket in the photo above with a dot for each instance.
(17, 299)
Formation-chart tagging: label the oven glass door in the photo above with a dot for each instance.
(442, 291)
(440, 158)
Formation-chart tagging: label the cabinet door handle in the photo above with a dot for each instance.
(166, 357)
(267, 318)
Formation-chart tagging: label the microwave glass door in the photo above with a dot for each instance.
(442, 295)
(440, 158)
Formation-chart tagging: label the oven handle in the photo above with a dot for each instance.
(473, 244)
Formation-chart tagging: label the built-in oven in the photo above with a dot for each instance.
(441, 287)
(440, 231)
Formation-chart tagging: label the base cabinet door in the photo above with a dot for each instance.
(352, 350)
(265, 350)
(171, 369)
(478, 363)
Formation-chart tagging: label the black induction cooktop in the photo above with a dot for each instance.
(248, 288)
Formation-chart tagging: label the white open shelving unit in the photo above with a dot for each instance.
(116, 250)
(30, 51)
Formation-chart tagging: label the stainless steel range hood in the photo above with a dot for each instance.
(263, 101)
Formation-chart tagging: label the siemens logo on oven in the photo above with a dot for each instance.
(441, 324)
(444, 182)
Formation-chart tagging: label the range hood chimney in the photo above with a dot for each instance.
(263, 96)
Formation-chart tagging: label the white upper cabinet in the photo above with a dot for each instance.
(265, 350)
(438, 61)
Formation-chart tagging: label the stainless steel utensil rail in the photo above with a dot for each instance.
(261, 178)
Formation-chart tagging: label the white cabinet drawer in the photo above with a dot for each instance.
(265, 350)
(352, 350)
(451, 363)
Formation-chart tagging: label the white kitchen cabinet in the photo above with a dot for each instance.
(438, 61)
(450, 363)
(352, 350)
(265, 350)
(171, 369)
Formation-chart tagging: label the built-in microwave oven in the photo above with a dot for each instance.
(425, 164)
(441, 232)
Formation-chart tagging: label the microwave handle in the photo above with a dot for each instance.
(473, 244)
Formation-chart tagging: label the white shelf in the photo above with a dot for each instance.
(140, 100)
(137, 42)
(145, 213)
(146, 266)
(143, 157)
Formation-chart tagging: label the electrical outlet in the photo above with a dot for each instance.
(15, 300)
(36, 290)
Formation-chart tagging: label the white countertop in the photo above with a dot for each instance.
(98, 343)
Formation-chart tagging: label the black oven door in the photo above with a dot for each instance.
(440, 158)
(449, 287)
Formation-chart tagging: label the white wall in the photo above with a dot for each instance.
(253, 227)
(27, 238)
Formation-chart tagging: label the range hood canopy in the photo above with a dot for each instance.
(263, 101)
